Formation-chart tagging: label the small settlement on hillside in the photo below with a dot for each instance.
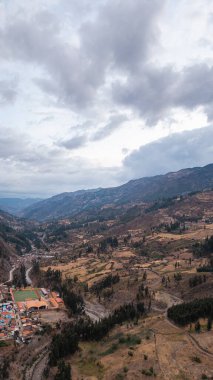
(20, 310)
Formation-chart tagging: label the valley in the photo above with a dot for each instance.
(147, 256)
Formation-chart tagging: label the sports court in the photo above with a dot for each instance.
(26, 294)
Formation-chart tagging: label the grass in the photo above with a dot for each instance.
(91, 367)
(130, 340)
(23, 295)
(110, 350)
(3, 343)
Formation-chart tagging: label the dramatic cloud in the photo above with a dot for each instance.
(84, 82)
(157, 91)
(74, 72)
(177, 151)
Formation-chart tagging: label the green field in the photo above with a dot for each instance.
(23, 295)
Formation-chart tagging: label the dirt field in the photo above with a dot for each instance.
(130, 351)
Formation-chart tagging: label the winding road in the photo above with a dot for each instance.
(28, 279)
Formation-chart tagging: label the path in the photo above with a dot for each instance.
(198, 346)
(10, 276)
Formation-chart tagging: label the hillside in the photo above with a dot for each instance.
(17, 237)
(136, 191)
(16, 205)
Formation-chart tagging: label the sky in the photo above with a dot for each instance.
(96, 93)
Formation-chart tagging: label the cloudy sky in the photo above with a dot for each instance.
(95, 93)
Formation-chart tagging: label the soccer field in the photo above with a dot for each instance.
(23, 295)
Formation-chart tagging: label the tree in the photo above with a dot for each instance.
(64, 371)
(4, 369)
(209, 324)
(36, 266)
(197, 327)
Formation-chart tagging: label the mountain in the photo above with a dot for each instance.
(16, 205)
(140, 190)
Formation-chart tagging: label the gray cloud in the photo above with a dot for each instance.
(117, 42)
(42, 171)
(114, 123)
(157, 91)
(99, 59)
(177, 151)
(123, 34)
(8, 91)
(74, 142)
(83, 134)
(118, 39)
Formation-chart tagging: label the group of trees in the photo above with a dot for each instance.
(203, 248)
(84, 329)
(106, 282)
(4, 369)
(35, 267)
(73, 301)
(52, 279)
(109, 241)
(189, 312)
(206, 268)
(63, 344)
(88, 330)
(162, 203)
(177, 277)
(165, 280)
(19, 278)
(142, 292)
(172, 227)
(64, 371)
(196, 280)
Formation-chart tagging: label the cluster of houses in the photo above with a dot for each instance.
(20, 310)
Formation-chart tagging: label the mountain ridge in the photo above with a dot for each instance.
(146, 189)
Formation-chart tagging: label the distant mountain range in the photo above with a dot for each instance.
(140, 190)
(16, 205)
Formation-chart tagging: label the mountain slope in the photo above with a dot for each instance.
(16, 205)
(140, 190)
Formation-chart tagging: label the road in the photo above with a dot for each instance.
(10, 276)
(28, 279)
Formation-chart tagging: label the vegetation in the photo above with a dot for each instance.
(63, 344)
(64, 371)
(84, 329)
(105, 283)
(206, 268)
(196, 280)
(4, 369)
(73, 301)
(186, 313)
(108, 242)
(19, 279)
(203, 249)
